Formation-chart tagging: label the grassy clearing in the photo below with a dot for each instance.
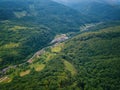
(57, 48)
(24, 73)
(0, 60)
(18, 28)
(49, 56)
(70, 67)
(37, 66)
(10, 45)
(5, 79)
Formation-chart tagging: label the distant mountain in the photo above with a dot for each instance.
(44, 12)
(86, 1)
(100, 10)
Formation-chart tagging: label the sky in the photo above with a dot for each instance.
(75, 1)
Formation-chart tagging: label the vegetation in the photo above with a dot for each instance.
(24, 73)
(57, 48)
(41, 12)
(96, 58)
(17, 42)
(69, 67)
(88, 61)
(37, 66)
(27, 26)
(32, 59)
(98, 10)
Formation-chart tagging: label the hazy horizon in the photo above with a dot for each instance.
(78, 1)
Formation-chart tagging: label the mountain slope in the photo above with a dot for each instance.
(42, 12)
(96, 56)
(88, 61)
(103, 10)
(18, 41)
(27, 26)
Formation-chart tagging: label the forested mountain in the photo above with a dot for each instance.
(28, 25)
(59, 45)
(88, 61)
(44, 12)
(100, 10)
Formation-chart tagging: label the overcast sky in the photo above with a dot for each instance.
(75, 1)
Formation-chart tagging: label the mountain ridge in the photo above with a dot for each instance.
(104, 10)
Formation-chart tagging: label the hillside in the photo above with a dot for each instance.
(70, 45)
(18, 41)
(99, 10)
(45, 12)
(27, 26)
(96, 56)
(88, 61)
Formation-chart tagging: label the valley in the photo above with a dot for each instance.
(55, 46)
(69, 61)
(59, 45)
(36, 61)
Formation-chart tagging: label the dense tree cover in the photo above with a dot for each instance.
(18, 41)
(95, 58)
(28, 25)
(46, 12)
(103, 25)
(98, 10)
